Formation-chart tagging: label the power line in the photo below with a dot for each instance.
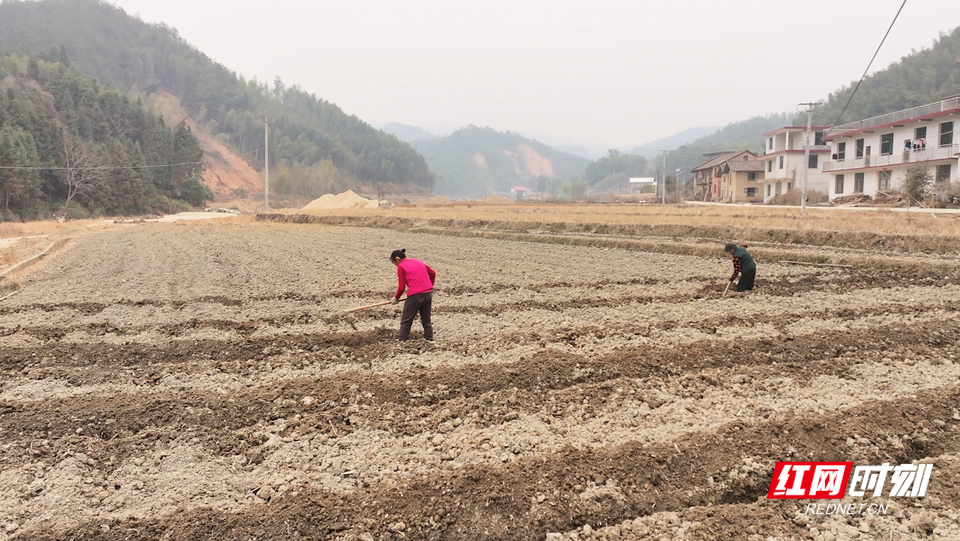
(864, 76)
(98, 168)
(113, 167)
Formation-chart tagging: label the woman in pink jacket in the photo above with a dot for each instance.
(417, 278)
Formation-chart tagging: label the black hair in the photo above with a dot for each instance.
(729, 247)
(399, 254)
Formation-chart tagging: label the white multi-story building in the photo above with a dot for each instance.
(874, 154)
(783, 161)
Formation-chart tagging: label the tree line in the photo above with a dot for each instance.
(307, 134)
(923, 77)
(69, 144)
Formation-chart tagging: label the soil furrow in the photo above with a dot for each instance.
(595, 486)
(302, 347)
(350, 401)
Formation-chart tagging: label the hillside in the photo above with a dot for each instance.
(319, 147)
(653, 148)
(923, 77)
(920, 78)
(67, 142)
(225, 172)
(405, 132)
(746, 134)
(473, 160)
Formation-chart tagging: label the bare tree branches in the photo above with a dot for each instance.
(82, 170)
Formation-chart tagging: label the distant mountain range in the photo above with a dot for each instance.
(474, 161)
(654, 148)
(405, 132)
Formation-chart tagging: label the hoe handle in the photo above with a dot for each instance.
(357, 309)
(727, 289)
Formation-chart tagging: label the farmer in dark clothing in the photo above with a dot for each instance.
(417, 279)
(743, 265)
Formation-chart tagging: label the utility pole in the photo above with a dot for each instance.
(663, 197)
(806, 154)
(266, 164)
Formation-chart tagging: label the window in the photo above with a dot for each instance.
(920, 133)
(746, 158)
(813, 162)
(841, 152)
(789, 186)
(886, 144)
(884, 183)
(770, 143)
(943, 173)
(769, 166)
(818, 138)
(946, 134)
(859, 148)
(781, 162)
(838, 185)
(769, 186)
(858, 183)
(751, 176)
(750, 192)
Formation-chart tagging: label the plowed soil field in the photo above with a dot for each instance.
(200, 381)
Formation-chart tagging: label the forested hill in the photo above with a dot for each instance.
(473, 161)
(654, 148)
(922, 77)
(319, 147)
(746, 134)
(67, 141)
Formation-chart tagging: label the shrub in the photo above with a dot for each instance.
(195, 192)
(915, 185)
(162, 204)
(74, 211)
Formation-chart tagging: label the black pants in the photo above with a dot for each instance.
(419, 303)
(746, 279)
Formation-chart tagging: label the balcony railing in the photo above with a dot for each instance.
(897, 158)
(906, 114)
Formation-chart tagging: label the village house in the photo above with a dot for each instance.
(783, 161)
(708, 176)
(741, 181)
(874, 154)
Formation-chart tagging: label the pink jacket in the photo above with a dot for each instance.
(414, 276)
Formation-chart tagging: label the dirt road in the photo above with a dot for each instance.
(198, 381)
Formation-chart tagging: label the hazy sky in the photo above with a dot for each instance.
(604, 72)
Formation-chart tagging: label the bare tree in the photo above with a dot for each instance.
(82, 169)
(119, 124)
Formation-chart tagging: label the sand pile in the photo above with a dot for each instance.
(345, 200)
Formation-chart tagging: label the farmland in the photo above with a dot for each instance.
(193, 381)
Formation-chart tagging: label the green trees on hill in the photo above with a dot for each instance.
(614, 169)
(66, 141)
(306, 132)
(746, 134)
(923, 77)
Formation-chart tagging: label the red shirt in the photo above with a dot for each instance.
(414, 276)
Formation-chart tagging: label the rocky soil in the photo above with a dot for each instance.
(200, 381)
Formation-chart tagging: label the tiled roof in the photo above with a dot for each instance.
(713, 162)
(740, 165)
